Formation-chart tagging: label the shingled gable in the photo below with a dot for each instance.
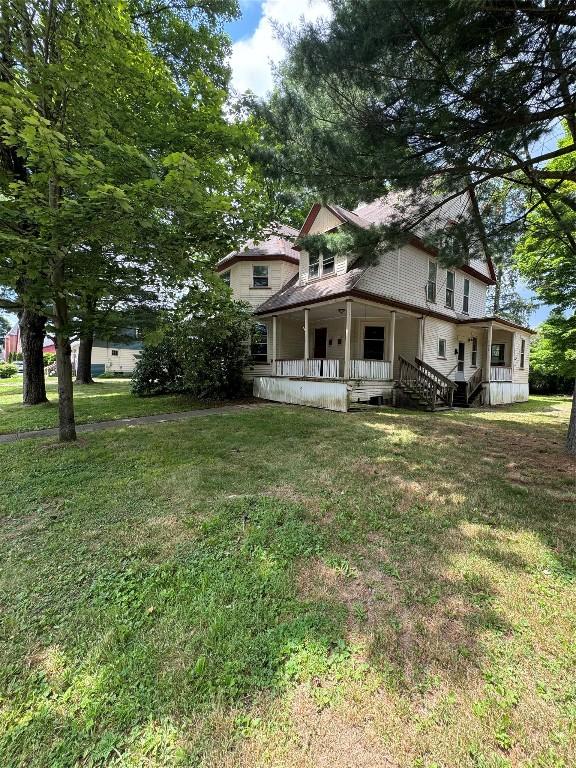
(382, 211)
(277, 246)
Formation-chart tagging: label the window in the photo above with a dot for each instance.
(442, 348)
(114, 353)
(327, 263)
(450, 289)
(522, 353)
(225, 276)
(466, 298)
(431, 284)
(474, 361)
(259, 277)
(259, 343)
(374, 342)
(497, 354)
(320, 264)
(313, 265)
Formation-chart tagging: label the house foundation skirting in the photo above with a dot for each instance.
(505, 392)
(334, 395)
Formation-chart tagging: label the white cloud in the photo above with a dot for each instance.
(253, 57)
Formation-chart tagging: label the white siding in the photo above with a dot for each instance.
(324, 221)
(124, 361)
(279, 273)
(520, 375)
(402, 275)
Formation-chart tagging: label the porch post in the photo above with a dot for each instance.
(306, 341)
(274, 337)
(347, 338)
(420, 337)
(487, 361)
(391, 341)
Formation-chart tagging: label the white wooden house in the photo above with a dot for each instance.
(403, 328)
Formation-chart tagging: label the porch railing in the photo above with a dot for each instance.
(370, 369)
(315, 368)
(473, 383)
(499, 373)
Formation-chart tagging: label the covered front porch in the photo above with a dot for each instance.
(336, 352)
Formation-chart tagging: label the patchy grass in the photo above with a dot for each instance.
(293, 588)
(104, 400)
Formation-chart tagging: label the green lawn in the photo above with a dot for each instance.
(289, 587)
(103, 400)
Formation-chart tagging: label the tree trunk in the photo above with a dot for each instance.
(67, 425)
(32, 328)
(571, 440)
(84, 364)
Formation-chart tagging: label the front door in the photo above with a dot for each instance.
(320, 335)
(461, 353)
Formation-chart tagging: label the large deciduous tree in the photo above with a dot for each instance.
(113, 138)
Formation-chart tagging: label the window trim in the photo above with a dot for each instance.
(439, 353)
(319, 265)
(449, 304)
(114, 353)
(466, 297)
(261, 277)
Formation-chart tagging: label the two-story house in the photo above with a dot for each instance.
(334, 330)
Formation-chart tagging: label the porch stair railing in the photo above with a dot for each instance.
(467, 391)
(426, 387)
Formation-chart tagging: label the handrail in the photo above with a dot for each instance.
(473, 383)
(436, 374)
(431, 386)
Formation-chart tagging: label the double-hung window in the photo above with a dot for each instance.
(374, 342)
(522, 353)
(442, 348)
(225, 277)
(498, 354)
(313, 265)
(466, 297)
(450, 289)
(474, 361)
(259, 343)
(320, 264)
(259, 277)
(431, 284)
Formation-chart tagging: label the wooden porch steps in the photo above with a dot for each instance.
(424, 387)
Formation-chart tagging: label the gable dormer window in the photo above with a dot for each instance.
(320, 264)
(313, 265)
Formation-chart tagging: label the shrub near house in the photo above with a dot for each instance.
(201, 352)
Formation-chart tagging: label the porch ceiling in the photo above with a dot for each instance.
(337, 310)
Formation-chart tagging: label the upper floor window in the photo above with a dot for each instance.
(498, 354)
(431, 284)
(114, 353)
(320, 264)
(259, 277)
(522, 353)
(450, 289)
(466, 297)
(225, 277)
(259, 343)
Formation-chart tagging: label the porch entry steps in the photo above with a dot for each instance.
(424, 386)
(467, 392)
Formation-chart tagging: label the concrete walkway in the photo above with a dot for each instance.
(157, 418)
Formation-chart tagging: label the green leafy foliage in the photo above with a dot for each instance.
(202, 351)
(7, 370)
(553, 356)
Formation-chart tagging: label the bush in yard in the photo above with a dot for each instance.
(202, 352)
(49, 358)
(7, 370)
